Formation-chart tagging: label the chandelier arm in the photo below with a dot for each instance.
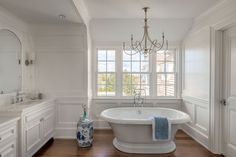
(160, 45)
(125, 50)
(139, 47)
(135, 45)
(130, 53)
(140, 42)
(155, 44)
(167, 45)
(151, 49)
(143, 45)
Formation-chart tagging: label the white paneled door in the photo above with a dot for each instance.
(229, 111)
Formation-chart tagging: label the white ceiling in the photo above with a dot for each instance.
(159, 8)
(47, 11)
(43, 11)
(115, 20)
(118, 30)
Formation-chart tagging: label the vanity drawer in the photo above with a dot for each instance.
(33, 116)
(9, 150)
(7, 133)
(37, 115)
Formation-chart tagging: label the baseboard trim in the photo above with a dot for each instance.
(198, 136)
(101, 124)
(65, 133)
(70, 133)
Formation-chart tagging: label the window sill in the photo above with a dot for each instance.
(131, 98)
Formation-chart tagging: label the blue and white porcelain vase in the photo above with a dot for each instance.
(84, 130)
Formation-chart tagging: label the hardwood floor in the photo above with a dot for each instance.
(102, 147)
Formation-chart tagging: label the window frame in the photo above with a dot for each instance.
(152, 74)
(140, 73)
(176, 70)
(96, 72)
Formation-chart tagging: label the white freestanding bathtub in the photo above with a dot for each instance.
(132, 127)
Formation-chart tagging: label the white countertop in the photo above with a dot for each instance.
(7, 120)
(23, 105)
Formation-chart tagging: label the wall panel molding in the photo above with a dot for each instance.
(198, 128)
(68, 111)
(196, 135)
(66, 126)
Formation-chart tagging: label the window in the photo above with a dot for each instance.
(106, 76)
(166, 73)
(135, 74)
(118, 74)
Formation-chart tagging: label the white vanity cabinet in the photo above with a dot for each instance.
(37, 127)
(8, 136)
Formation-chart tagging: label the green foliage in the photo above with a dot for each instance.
(106, 82)
(130, 83)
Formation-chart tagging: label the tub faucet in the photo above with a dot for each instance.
(138, 100)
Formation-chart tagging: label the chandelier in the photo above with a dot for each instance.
(146, 45)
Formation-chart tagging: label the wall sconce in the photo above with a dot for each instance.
(29, 59)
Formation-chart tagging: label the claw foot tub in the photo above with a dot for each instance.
(132, 128)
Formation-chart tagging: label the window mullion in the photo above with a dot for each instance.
(153, 77)
(119, 74)
(106, 73)
(136, 82)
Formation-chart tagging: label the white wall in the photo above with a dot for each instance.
(196, 84)
(21, 29)
(61, 71)
(201, 74)
(197, 65)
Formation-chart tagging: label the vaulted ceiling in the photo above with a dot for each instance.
(115, 20)
(159, 8)
(43, 11)
(47, 11)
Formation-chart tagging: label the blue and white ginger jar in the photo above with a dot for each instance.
(85, 132)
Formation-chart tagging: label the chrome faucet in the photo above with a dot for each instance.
(138, 99)
(19, 97)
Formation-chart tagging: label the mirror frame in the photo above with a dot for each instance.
(19, 38)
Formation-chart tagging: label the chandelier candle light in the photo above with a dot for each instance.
(146, 45)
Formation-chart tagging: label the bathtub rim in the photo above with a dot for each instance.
(185, 117)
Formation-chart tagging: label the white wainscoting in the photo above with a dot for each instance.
(198, 128)
(69, 110)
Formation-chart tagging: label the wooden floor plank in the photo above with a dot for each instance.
(102, 147)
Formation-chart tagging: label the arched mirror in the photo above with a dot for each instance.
(10, 62)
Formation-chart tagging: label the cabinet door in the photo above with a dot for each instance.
(48, 126)
(9, 150)
(33, 136)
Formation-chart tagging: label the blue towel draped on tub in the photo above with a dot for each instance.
(161, 129)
